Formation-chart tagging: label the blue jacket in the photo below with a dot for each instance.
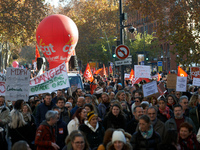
(54, 100)
(41, 111)
(72, 112)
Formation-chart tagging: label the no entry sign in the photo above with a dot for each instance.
(122, 51)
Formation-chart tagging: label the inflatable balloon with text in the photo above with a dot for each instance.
(57, 36)
(15, 64)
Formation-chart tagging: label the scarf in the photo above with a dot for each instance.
(188, 143)
(27, 116)
(171, 104)
(165, 112)
(148, 134)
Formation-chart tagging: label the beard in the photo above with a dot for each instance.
(179, 116)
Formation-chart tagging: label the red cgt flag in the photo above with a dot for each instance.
(104, 70)
(181, 72)
(159, 76)
(37, 54)
(94, 70)
(88, 74)
(131, 74)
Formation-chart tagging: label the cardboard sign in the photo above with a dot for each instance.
(17, 84)
(195, 72)
(142, 71)
(54, 79)
(171, 81)
(150, 88)
(181, 84)
(196, 82)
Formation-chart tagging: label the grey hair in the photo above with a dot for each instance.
(183, 97)
(69, 103)
(152, 107)
(51, 114)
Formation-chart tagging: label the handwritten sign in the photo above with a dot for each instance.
(181, 84)
(2, 88)
(142, 71)
(195, 72)
(17, 84)
(171, 81)
(196, 82)
(150, 88)
(54, 79)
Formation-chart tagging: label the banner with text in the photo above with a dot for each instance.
(142, 71)
(54, 79)
(150, 88)
(17, 84)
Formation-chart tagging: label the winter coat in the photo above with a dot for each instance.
(45, 135)
(131, 126)
(138, 142)
(112, 121)
(73, 125)
(110, 146)
(41, 111)
(162, 117)
(65, 115)
(190, 143)
(194, 115)
(4, 116)
(21, 133)
(61, 133)
(102, 110)
(171, 124)
(93, 136)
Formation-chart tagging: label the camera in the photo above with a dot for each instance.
(132, 29)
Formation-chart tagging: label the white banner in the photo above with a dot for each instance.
(150, 88)
(54, 79)
(196, 82)
(17, 84)
(142, 71)
(181, 84)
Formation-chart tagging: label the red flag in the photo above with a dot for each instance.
(88, 74)
(110, 70)
(181, 72)
(169, 72)
(132, 74)
(159, 76)
(94, 70)
(37, 54)
(104, 70)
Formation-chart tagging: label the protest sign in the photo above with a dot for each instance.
(142, 71)
(17, 84)
(196, 82)
(171, 81)
(150, 88)
(2, 88)
(54, 79)
(181, 84)
(195, 72)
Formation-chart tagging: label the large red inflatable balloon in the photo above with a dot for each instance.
(57, 36)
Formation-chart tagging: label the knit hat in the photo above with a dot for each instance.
(90, 115)
(118, 136)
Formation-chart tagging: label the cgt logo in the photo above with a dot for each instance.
(2, 87)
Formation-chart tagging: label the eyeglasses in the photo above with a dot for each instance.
(79, 143)
(185, 103)
(137, 101)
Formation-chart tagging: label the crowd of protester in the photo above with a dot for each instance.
(103, 116)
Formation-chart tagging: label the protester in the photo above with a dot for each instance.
(45, 134)
(120, 96)
(153, 101)
(80, 103)
(115, 118)
(71, 100)
(88, 108)
(194, 100)
(187, 139)
(21, 145)
(93, 130)
(146, 137)
(184, 103)
(68, 105)
(103, 107)
(112, 96)
(137, 102)
(78, 119)
(59, 94)
(171, 101)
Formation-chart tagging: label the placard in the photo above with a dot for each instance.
(54, 79)
(17, 84)
(195, 72)
(171, 81)
(142, 71)
(196, 82)
(2, 88)
(150, 88)
(181, 84)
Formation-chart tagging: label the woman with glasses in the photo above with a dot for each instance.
(137, 102)
(78, 142)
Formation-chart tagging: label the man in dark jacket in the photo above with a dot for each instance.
(43, 108)
(45, 134)
(132, 125)
(59, 94)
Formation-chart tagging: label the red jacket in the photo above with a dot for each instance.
(45, 135)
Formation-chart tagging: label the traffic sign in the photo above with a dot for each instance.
(122, 51)
(127, 61)
(159, 63)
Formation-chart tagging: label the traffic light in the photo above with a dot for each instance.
(147, 58)
(113, 52)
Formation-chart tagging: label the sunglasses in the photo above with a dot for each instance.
(136, 101)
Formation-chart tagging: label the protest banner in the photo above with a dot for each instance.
(181, 84)
(171, 81)
(195, 72)
(149, 88)
(196, 82)
(142, 71)
(54, 79)
(17, 84)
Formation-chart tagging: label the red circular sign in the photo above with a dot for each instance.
(122, 51)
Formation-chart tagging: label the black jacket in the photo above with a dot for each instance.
(131, 126)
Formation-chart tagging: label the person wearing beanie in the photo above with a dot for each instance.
(93, 130)
(118, 142)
